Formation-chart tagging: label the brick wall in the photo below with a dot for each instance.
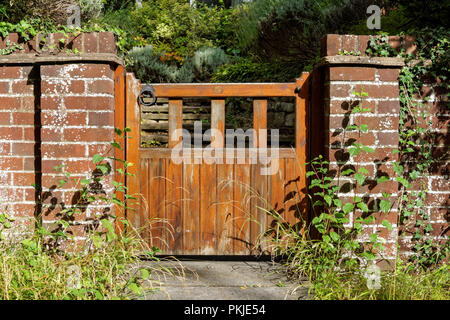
(55, 110)
(341, 75)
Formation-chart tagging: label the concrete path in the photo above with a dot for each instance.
(224, 280)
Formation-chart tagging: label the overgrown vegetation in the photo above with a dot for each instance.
(336, 250)
(419, 155)
(46, 261)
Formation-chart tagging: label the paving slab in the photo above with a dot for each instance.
(224, 280)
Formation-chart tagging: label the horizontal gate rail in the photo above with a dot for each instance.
(225, 90)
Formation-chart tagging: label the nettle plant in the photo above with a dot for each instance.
(340, 219)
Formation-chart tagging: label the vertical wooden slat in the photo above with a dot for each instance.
(156, 197)
(208, 209)
(191, 208)
(132, 145)
(225, 209)
(277, 194)
(218, 123)
(291, 193)
(119, 122)
(175, 121)
(258, 222)
(254, 202)
(241, 209)
(260, 123)
(144, 181)
(174, 205)
(174, 182)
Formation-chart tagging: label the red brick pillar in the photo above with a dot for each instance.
(342, 76)
(55, 110)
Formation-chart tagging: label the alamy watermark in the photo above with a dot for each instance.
(374, 21)
(74, 20)
(373, 276)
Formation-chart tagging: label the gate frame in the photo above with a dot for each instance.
(127, 93)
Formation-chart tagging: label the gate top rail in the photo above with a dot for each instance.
(224, 90)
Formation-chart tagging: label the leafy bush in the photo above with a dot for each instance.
(205, 62)
(247, 70)
(148, 65)
(174, 26)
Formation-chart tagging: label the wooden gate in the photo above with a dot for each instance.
(224, 208)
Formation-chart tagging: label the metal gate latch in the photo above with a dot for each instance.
(148, 92)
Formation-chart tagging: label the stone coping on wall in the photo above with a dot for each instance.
(334, 44)
(361, 61)
(24, 58)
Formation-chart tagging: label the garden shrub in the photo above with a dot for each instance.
(206, 61)
(175, 26)
(149, 66)
(247, 70)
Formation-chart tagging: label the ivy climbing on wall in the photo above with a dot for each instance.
(423, 84)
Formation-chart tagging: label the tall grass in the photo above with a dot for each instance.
(105, 270)
(331, 277)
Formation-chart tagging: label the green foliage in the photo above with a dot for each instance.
(424, 13)
(43, 265)
(404, 283)
(205, 62)
(337, 245)
(29, 28)
(149, 66)
(290, 30)
(247, 70)
(174, 27)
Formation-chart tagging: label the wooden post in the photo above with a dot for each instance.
(175, 121)
(119, 122)
(260, 123)
(218, 123)
(301, 130)
(132, 146)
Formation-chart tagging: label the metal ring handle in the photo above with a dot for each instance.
(148, 92)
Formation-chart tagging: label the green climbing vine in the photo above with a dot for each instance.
(427, 67)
